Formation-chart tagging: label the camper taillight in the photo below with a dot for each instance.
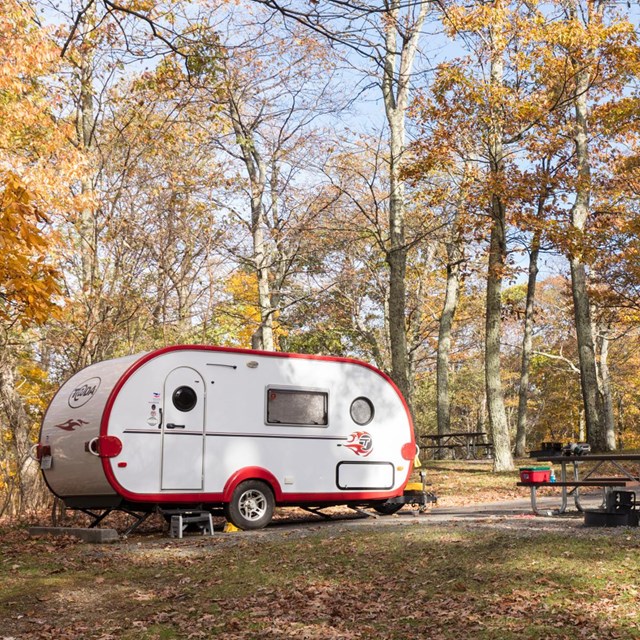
(42, 450)
(408, 451)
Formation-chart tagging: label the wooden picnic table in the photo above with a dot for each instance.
(463, 444)
(571, 483)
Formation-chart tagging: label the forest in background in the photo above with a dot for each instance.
(446, 190)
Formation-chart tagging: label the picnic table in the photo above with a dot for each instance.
(466, 445)
(571, 482)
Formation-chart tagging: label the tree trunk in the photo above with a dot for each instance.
(401, 42)
(523, 393)
(397, 253)
(443, 407)
(262, 338)
(621, 422)
(592, 399)
(481, 417)
(87, 222)
(86, 225)
(582, 427)
(503, 460)
(397, 259)
(605, 386)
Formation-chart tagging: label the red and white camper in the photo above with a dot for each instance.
(207, 427)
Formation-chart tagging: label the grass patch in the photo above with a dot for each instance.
(391, 582)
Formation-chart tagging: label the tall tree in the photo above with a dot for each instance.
(387, 38)
(489, 98)
(582, 65)
(443, 180)
(527, 343)
(36, 168)
(271, 96)
(358, 238)
(402, 29)
(497, 240)
(594, 52)
(138, 209)
(541, 183)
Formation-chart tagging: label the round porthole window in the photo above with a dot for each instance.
(362, 411)
(184, 398)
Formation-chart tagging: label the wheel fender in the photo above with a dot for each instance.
(251, 473)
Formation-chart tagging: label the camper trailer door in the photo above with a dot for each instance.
(183, 430)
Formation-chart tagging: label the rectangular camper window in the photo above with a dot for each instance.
(297, 407)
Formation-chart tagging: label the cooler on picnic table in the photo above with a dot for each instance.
(535, 474)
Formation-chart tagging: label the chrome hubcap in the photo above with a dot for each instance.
(252, 504)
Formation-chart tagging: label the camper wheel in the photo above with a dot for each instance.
(251, 505)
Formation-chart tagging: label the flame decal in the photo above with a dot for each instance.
(361, 443)
(70, 424)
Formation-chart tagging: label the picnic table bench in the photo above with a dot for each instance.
(572, 486)
(466, 445)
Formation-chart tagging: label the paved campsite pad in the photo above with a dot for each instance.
(491, 571)
(513, 514)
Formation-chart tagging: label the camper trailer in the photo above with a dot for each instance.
(200, 427)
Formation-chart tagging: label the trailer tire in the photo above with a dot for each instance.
(251, 505)
(385, 509)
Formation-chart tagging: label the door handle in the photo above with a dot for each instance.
(171, 425)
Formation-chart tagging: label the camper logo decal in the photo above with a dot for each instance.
(70, 424)
(361, 443)
(82, 394)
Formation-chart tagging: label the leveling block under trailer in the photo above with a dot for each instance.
(211, 428)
